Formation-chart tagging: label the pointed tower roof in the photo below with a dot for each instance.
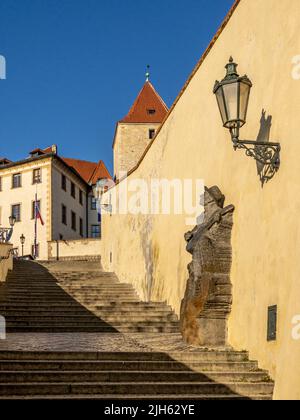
(148, 107)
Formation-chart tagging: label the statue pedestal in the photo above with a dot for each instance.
(212, 332)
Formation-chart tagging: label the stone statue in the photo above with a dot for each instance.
(207, 300)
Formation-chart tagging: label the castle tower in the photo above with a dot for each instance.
(138, 128)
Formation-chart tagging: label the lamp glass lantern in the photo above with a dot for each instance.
(12, 221)
(22, 239)
(232, 95)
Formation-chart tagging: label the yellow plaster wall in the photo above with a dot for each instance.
(149, 251)
(88, 247)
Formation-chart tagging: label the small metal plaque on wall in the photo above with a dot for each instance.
(272, 323)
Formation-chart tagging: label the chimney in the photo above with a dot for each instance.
(54, 149)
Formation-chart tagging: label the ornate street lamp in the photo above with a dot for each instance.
(22, 240)
(6, 233)
(100, 188)
(232, 95)
(12, 221)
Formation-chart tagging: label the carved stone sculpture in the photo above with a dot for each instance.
(208, 298)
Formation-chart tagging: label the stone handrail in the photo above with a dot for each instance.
(6, 260)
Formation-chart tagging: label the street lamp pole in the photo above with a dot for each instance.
(22, 239)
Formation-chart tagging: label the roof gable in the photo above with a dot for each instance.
(148, 107)
(89, 171)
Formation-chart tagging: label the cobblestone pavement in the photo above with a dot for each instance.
(96, 342)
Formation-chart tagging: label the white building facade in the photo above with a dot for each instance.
(64, 195)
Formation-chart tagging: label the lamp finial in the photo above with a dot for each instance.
(231, 68)
(148, 73)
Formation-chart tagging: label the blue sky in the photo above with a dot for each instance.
(74, 67)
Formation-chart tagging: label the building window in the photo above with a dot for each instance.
(17, 181)
(73, 191)
(0, 183)
(33, 208)
(73, 221)
(95, 232)
(151, 111)
(151, 134)
(80, 197)
(64, 215)
(64, 182)
(61, 237)
(35, 250)
(272, 323)
(16, 212)
(81, 227)
(94, 203)
(37, 176)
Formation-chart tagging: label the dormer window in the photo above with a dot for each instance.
(36, 153)
(4, 161)
(151, 111)
(151, 134)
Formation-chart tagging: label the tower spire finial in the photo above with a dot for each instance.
(148, 73)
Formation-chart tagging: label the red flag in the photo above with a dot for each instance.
(38, 213)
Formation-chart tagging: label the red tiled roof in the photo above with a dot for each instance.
(89, 171)
(148, 99)
(101, 171)
(40, 151)
(48, 150)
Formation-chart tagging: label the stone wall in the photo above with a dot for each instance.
(75, 249)
(130, 143)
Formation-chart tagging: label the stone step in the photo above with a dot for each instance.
(105, 294)
(61, 295)
(55, 287)
(88, 322)
(184, 357)
(83, 279)
(87, 329)
(138, 397)
(102, 290)
(127, 388)
(30, 301)
(44, 290)
(61, 291)
(131, 376)
(128, 306)
(42, 305)
(112, 365)
(11, 319)
(68, 310)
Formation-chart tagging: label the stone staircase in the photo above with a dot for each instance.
(143, 358)
(35, 300)
(201, 375)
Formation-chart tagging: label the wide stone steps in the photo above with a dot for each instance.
(193, 375)
(34, 300)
